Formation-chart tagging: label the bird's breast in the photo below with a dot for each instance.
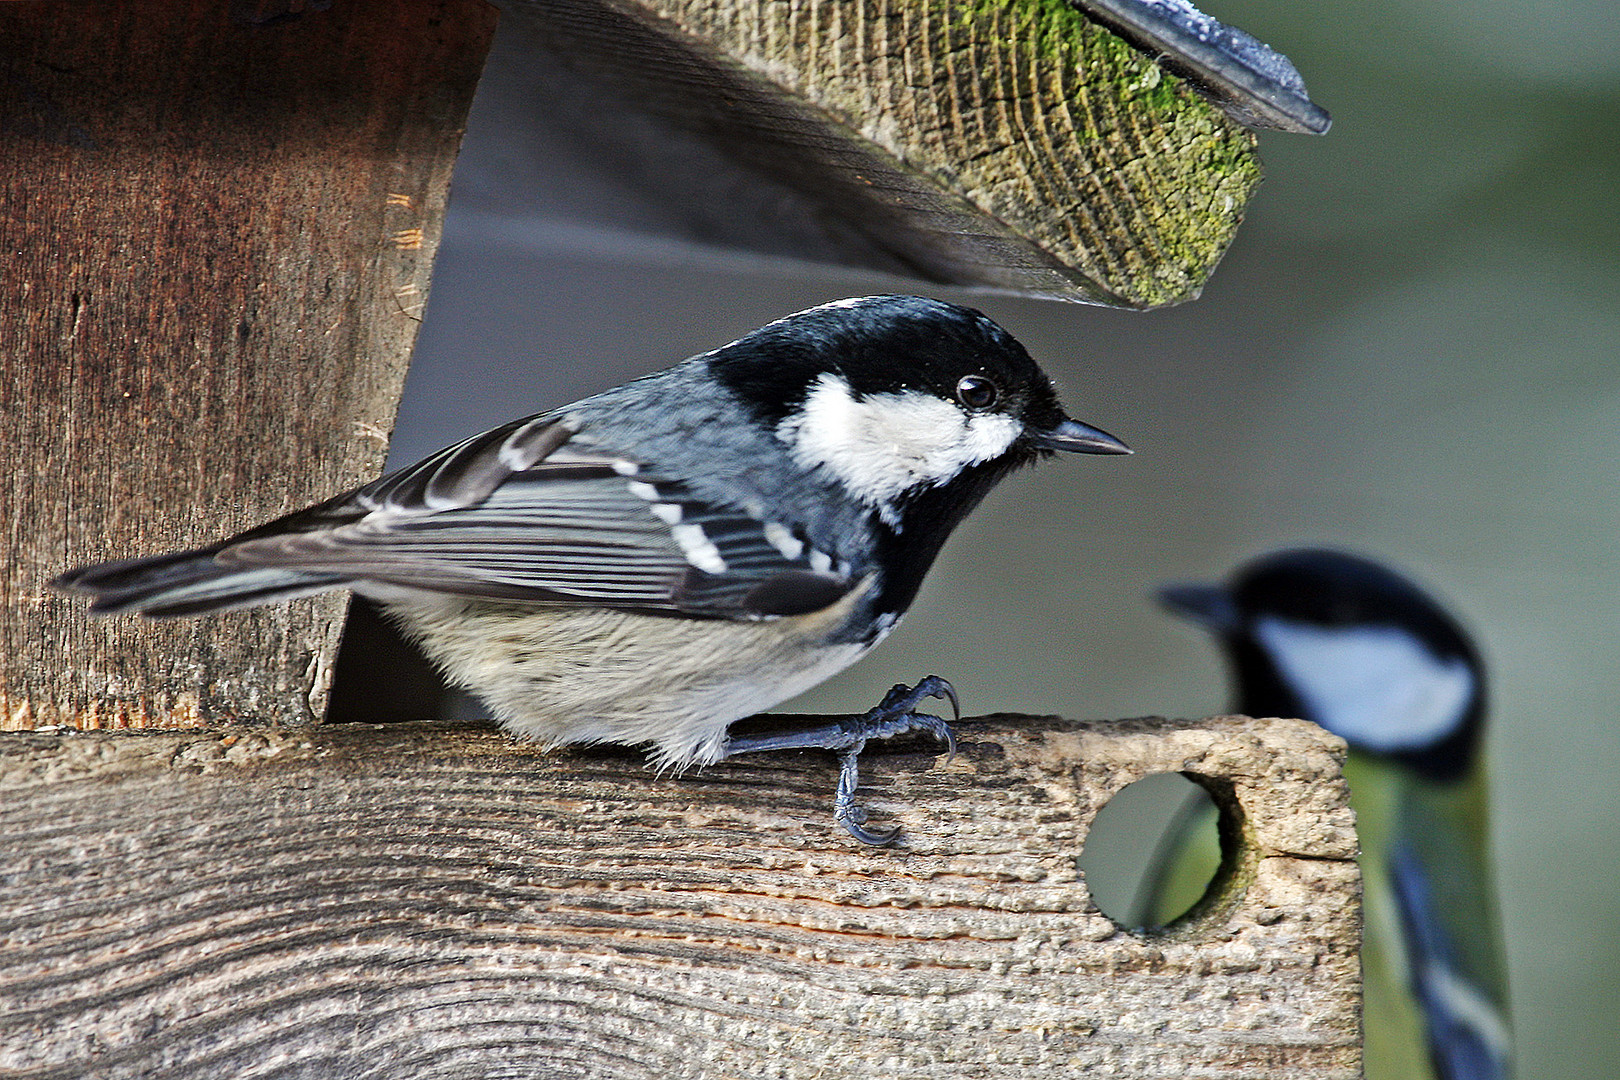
(560, 674)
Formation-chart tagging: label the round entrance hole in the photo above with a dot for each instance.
(1152, 851)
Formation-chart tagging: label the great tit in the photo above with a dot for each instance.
(1344, 642)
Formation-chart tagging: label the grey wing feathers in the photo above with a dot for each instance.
(520, 513)
(470, 471)
(185, 584)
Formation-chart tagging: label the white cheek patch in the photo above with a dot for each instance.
(1376, 687)
(883, 445)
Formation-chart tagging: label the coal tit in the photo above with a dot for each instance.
(1349, 644)
(653, 563)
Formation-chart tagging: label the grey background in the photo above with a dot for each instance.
(1410, 351)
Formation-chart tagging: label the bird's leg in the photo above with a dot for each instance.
(895, 715)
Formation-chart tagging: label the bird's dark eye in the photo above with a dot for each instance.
(976, 392)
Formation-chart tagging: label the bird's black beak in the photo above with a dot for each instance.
(1079, 438)
(1210, 606)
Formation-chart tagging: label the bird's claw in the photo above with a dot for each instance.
(894, 715)
(847, 737)
(904, 699)
(850, 814)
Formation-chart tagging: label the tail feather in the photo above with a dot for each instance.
(187, 583)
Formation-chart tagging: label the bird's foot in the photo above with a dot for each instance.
(895, 715)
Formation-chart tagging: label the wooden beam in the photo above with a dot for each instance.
(1013, 144)
(437, 899)
(218, 222)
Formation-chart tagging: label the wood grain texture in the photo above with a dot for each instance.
(438, 900)
(1008, 143)
(218, 220)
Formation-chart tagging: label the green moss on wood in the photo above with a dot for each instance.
(1192, 169)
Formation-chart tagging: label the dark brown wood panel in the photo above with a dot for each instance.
(218, 221)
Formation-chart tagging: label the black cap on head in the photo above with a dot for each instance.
(892, 344)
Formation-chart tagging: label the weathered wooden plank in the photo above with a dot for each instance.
(218, 222)
(438, 900)
(1007, 143)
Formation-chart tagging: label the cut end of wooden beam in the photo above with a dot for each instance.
(373, 898)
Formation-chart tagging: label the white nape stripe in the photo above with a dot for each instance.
(831, 305)
(625, 468)
(700, 552)
(642, 490)
(835, 305)
(668, 513)
(780, 538)
(1377, 687)
(883, 445)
